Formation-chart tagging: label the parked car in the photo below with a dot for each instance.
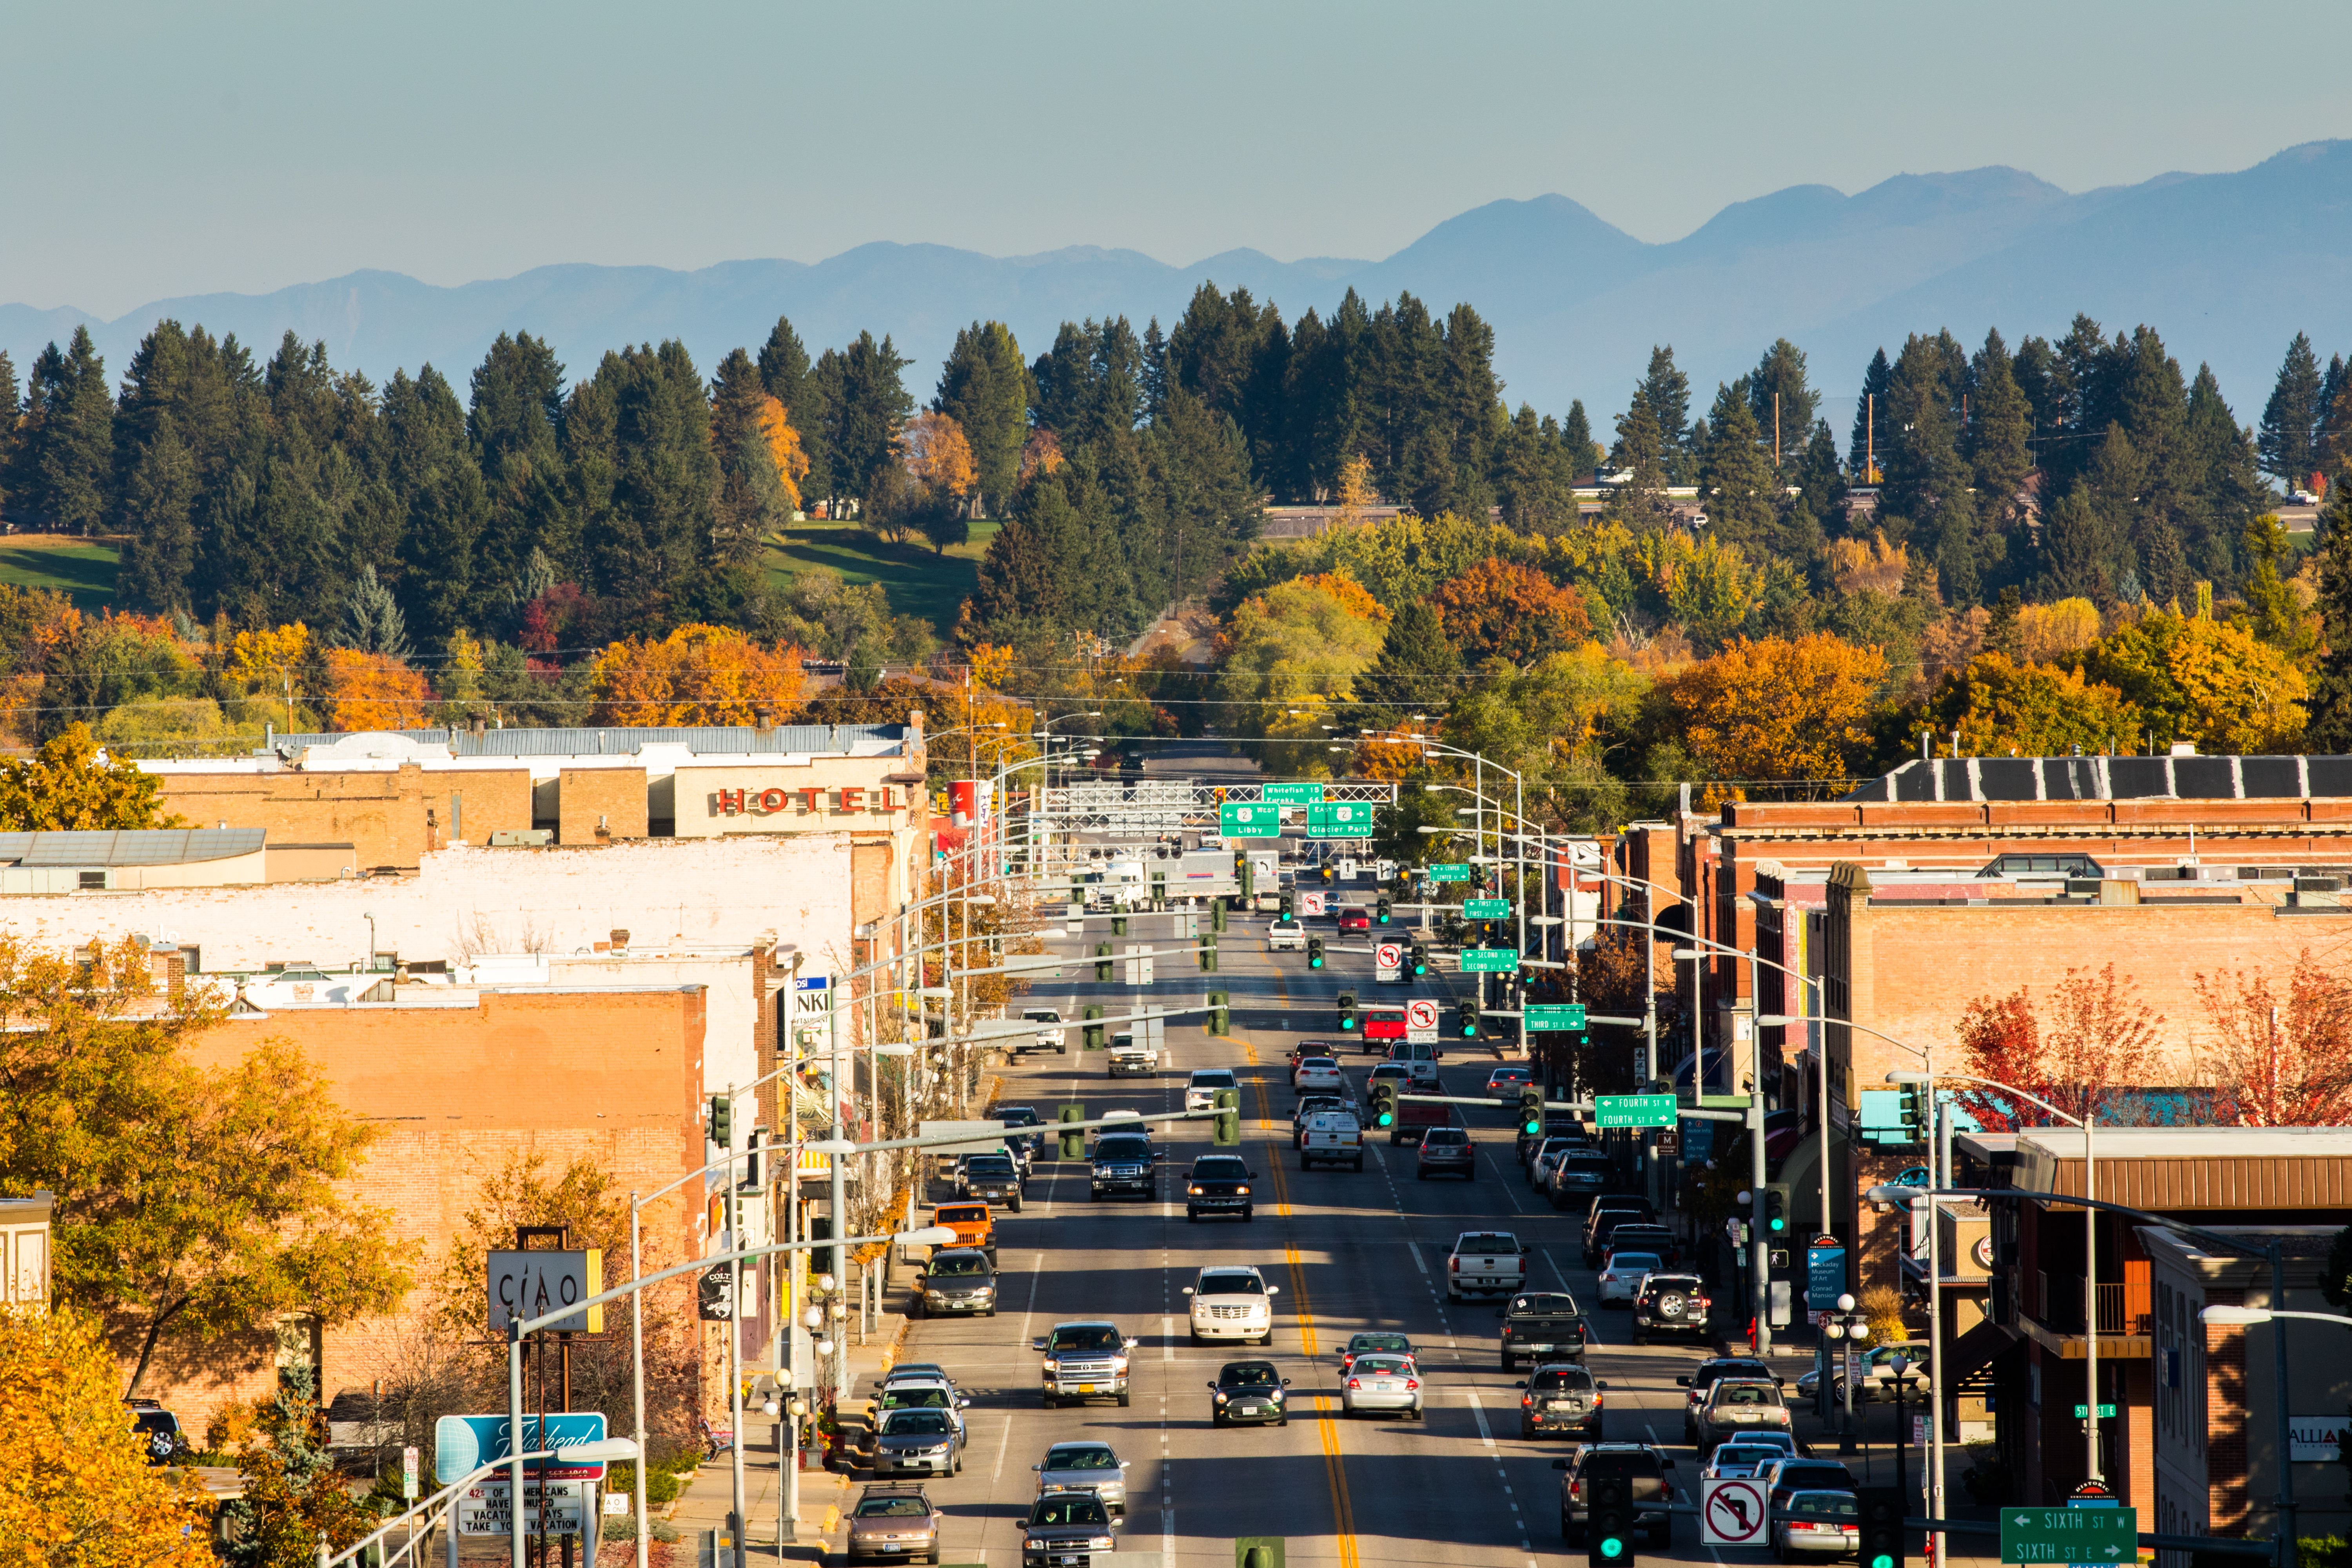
(1641, 1236)
(1548, 1154)
(894, 1523)
(159, 1429)
(1561, 1397)
(1606, 1215)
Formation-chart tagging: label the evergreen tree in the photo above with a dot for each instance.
(2291, 418)
(1090, 383)
(984, 387)
(1736, 478)
(1537, 472)
(1667, 391)
(440, 484)
(785, 372)
(2041, 381)
(2272, 612)
(2226, 489)
(866, 405)
(1781, 374)
(2001, 632)
(70, 449)
(2079, 549)
(1869, 419)
(2163, 564)
(1821, 483)
(372, 620)
(2331, 387)
(1155, 370)
(514, 422)
(1999, 427)
(1204, 507)
(12, 413)
(751, 499)
(1576, 434)
(1417, 671)
(1639, 455)
(159, 505)
(2330, 730)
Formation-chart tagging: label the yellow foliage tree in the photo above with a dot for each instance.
(938, 455)
(374, 691)
(783, 445)
(267, 658)
(2001, 709)
(66, 784)
(1777, 708)
(77, 1489)
(2195, 678)
(1290, 657)
(697, 675)
(2049, 633)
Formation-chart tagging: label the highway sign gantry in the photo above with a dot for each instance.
(1249, 819)
(1292, 795)
(2070, 1535)
(1339, 819)
(1633, 1110)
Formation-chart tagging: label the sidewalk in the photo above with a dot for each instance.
(701, 1510)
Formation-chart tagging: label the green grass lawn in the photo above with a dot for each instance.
(917, 581)
(83, 571)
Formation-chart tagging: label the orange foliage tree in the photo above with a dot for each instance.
(938, 454)
(1501, 609)
(697, 675)
(2278, 1058)
(374, 691)
(1777, 709)
(2092, 1039)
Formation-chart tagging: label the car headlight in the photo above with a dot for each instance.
(1242, 1191)
(1221, 1397)
(1118, 1363)
(935, 1295)
(1273, 1394)
(983, 1291)
(1051, 1365)
(1100, 1543)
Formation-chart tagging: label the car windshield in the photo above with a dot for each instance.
(1548, 1304)
(1229, 1284)
(915, 1423)
(1249, 1374)
(958, 1266)
(1480, 1241)
(1437, 1137)
(1824, 1505)
(1747, 1394)
(1635, 1263)
(1220, 1168)
(1214, 1078)
(1088, 1458)
(991, 1166)
(1735, 1454)
(916, 1398)
(1017, 1116)
(1383, 1366)
(1123, 1147)
(1364, 1343)
(1553, 1379)
(892, 1508)
(1069, 1508)
(1584, 1158)
(960, 1214)
(1822, 1473)
(1089, 1337)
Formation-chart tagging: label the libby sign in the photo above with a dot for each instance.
(766, 802)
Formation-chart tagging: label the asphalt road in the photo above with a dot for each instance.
(1351, 1252)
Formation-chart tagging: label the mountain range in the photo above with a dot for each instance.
(2226, 267)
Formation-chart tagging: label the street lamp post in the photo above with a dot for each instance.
(1852, 1328)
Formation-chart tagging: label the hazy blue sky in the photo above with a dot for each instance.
(163, 149)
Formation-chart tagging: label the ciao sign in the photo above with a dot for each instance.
(526, 1284)
(771, 801)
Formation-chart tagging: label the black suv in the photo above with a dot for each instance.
(1654, 1490)
(1562, 1397)
(1540, 1326)
(1670, 1304)
(1011, 1116)
(1122, 1164)
(1218, 1183)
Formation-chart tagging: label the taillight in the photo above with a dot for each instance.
(1455, 1264)
(1411, 1383)
(1527, 1399)
(1355, 1383)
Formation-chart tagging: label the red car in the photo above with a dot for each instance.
(1355, 919)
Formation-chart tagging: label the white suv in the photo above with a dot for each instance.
(1286, 935)
(1200, 1092)
(1232, 1303)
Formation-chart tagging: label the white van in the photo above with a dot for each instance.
(1419, 1058)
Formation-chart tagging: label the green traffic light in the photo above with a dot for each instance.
(1382, 1120)
(1314, 963)
(1532, 1128)
(1882, 1561)
(1612, 1548)
(1469, 1031)
(1780, 1224)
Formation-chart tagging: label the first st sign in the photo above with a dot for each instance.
(526, 1284)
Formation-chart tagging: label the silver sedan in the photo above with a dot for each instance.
(1383, 1383)
(1084, 1467)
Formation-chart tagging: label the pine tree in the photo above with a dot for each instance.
(1535, 473)
(2224, 485)
(372, 619)
(1576, 434)
(2001, 632)
(1781, 374)
(1639, 455)
(1999, 427)
(784, 370)
(1155, 370)
(2164, 572)
(866, 405)
(2330, 729)
(1204, 506)
(514, 422)
(72, 444)
(1667, 391)
(984, 387)
(1417, 671)
(2079, 548)
(2291, 418)
(158, 503)
(1870, 420)
(12, 412)
(1736, 478)
(447, 506)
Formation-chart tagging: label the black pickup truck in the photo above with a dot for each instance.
(995, 1178)
(1121, 1162)
(1541, 1326)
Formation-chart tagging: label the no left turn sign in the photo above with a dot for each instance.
(1731, 1512)
(1388, 955)
(1420, 1013)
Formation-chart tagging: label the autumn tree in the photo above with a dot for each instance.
(1502, 610)
(1776, 708)
(1292, 654)
(2280, 1056)
(2002, 708)
(293, 1497)
(191, 1201)
(2195, 678)
(695, 674)
(984, 387)
(66, 784)
(78, 1491)
(2088, 1043)
(374, 691)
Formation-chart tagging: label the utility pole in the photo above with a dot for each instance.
(1776, 432)
(1870, 438)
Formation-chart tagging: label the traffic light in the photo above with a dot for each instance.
(1911, 1107)
(1328, 873)
(1208, 953)
(1217, 914)
(1229, 1117)
(1314, 952)
(1385, 1103)
(1478, 877)
(1074, 1139)
(1609, 1510)
(1882, 1526)
(1289, 904)
(1466, 1019)
(1102, 962)
(1096, 1032)
(1380, 911)
(722, 1122)
(1220, 1017)
(1419, 954)
(1258, 1552)
(1243, 874)
(1531, 1111)
(1776, 1210)
(1347, 1012)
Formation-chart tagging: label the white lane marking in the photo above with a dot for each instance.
(1036, 1272)
(1003, 1442)
(1415, 1247)
(1167, 1339)
(1478, 1413)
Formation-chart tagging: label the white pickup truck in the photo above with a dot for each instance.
(1331, 1138)
(1051, 1037)
(1485, 1262)
(1131, 1055)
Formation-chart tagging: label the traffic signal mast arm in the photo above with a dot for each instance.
(1686, 1112)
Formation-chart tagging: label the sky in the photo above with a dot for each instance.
(163, 149)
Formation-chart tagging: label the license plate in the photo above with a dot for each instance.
(1249, 1409)
(1085, 1388)
(1542, 1347)
(892, 1546)
(1562, 1404)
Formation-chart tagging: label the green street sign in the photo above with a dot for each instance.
(1632, 1109)
(1449, 873)
(1490, 961)
(1292, 795)
(1569, 1016)
(1249, 820)
(2082, 1413)
(1486, 908)
(2070, 1535)
(1339, 819)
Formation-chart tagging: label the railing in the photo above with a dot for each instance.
(2112, 1318)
